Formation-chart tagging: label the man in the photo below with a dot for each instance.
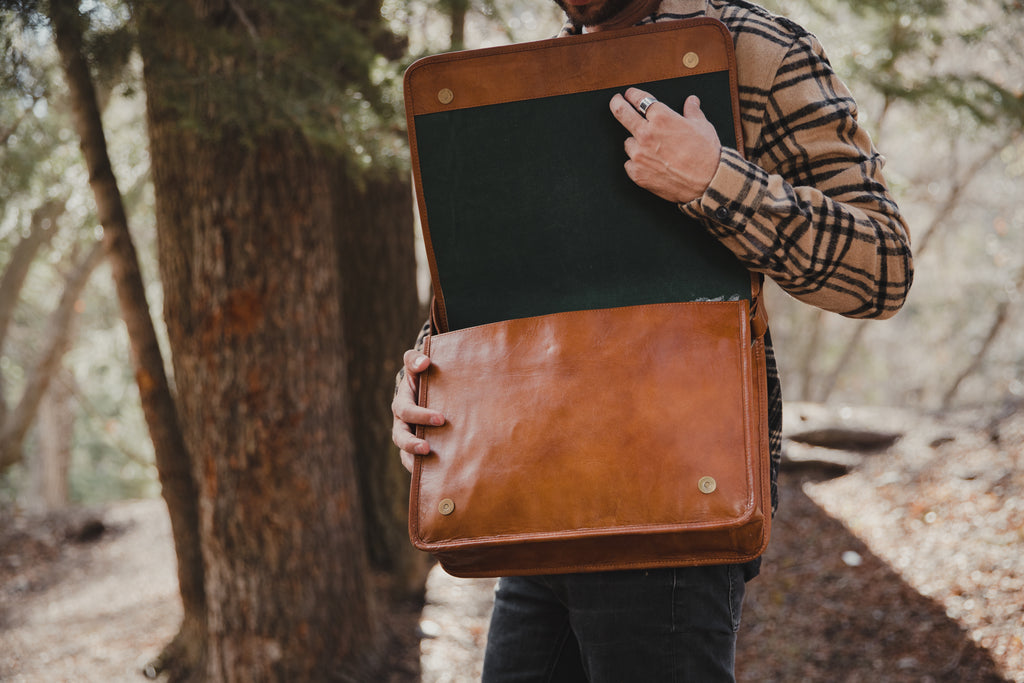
(807, 206)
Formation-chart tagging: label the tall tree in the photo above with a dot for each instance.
(171, 452)
(265, 197)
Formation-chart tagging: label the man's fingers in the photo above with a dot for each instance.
(405, 408)
(407, 414)
(692, 110)
(415, 361)
(630, 145)
(406, 441)
(635, 96)
(408, 460)
(625, 113)
(408, 445)
(412, 414)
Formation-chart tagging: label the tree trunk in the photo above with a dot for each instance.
(55, 342)
(249, 229)
(381, 316)
(42, 228)
(49, 467)
(459, 9)
(254, 315)
(172, 458)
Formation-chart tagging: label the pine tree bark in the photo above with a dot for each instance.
(250, 218)
(381, 317)
(172, 458)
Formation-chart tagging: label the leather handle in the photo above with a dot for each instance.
(758, 312)
(438, 319)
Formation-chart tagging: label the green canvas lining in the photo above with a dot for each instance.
(530, 212)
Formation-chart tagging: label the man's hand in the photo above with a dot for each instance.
(673, 156)
(408, 414)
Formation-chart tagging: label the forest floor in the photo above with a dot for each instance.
(905, 563)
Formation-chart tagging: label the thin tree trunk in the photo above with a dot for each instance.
(57, 337)
(172, 457)
(459, 9)
(49, 467)
(42, 228)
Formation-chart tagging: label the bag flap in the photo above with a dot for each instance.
(517, 162)
(590, 423)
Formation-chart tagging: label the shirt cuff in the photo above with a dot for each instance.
(733, 196)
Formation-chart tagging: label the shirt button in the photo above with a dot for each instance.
(722, 213)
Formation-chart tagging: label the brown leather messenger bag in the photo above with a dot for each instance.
(598, 356)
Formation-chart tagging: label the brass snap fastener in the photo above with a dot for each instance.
(446, 507)
(445, 96)
(707, 484)
(690, 60)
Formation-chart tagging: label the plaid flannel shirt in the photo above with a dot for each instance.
(805, 204)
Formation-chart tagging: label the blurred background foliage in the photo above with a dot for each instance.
(940, 84)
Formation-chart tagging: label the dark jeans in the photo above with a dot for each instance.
(661, 625)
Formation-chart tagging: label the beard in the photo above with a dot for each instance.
(595, 12)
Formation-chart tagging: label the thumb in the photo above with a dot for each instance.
(691, 108)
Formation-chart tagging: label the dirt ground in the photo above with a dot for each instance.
(900, 564)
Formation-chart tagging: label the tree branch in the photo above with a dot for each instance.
(43, 228)
(944, 213)
(58, 335)
(1002, 315)
(95, 417)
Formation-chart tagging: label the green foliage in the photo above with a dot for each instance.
(109, 49)
(19, 77)
(26, 84)
(320, 67)
(40, 160)
(113, 455)
(921, 53)
(427, 23)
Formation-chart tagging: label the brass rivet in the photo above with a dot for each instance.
(690, 60)
(445, 96)
(707, 484)
(446, 507)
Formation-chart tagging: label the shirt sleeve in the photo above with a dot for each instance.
(809, 207)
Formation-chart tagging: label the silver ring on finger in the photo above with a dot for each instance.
(643, 105)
